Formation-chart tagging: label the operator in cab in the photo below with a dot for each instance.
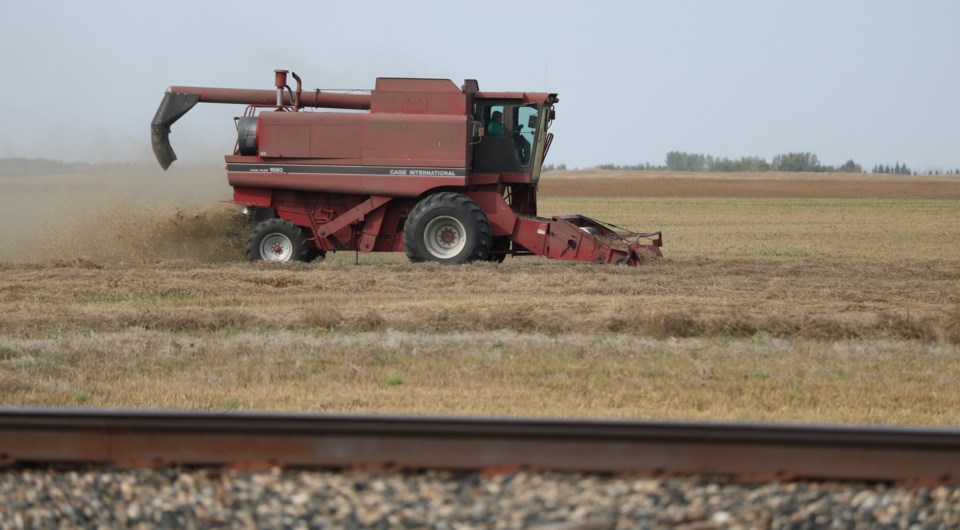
(495, 125)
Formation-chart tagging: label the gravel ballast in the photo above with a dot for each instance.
(36, 498)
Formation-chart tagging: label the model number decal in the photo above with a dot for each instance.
(274, 170)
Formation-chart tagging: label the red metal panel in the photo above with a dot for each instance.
(530, 233)
(371, 229)
(252, 196)
(407, 186)
(570, 242)
(335, 141)
(483, 179)
(515, 178)
(418, 96)
(330, 135)
(379, 139)
(404, 139)
(284, 141)
(414, 84)
(275, 162)
(502, 218)
(334, 218)
(355, 215)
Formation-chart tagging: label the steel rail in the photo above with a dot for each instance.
(128, 438)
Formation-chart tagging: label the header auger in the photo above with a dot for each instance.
(441, 173)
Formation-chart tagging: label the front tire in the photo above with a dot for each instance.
(278, 241)
(448, 228)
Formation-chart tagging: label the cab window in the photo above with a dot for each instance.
(524, 130)
(509, 137)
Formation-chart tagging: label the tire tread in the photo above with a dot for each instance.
(475, 216)
(294, 232)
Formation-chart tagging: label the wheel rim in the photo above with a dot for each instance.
(444, 237)
(276, 247)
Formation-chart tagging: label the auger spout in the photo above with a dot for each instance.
(178, 100)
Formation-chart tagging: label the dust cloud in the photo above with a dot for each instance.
(121, 214)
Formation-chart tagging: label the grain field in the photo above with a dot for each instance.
(820, 307)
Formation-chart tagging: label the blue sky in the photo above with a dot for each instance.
(873, 81)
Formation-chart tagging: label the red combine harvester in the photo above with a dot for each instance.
(442, 173)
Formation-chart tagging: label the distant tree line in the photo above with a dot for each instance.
(551, 167)
(942, 172)
(792, 162)
(637, 167)
(798, 162)
(894, 170)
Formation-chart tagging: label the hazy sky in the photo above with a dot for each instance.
(875, 81)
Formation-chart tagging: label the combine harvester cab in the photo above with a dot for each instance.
(443, 173)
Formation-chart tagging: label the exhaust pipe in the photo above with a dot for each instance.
(280, 81)
(173, 106)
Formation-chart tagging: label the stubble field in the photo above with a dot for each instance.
(782, 298)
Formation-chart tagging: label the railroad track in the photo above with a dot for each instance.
(750, 452)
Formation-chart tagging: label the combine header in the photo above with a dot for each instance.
(442, 173)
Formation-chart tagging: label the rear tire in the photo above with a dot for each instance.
(448, 228)
(278, 241)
